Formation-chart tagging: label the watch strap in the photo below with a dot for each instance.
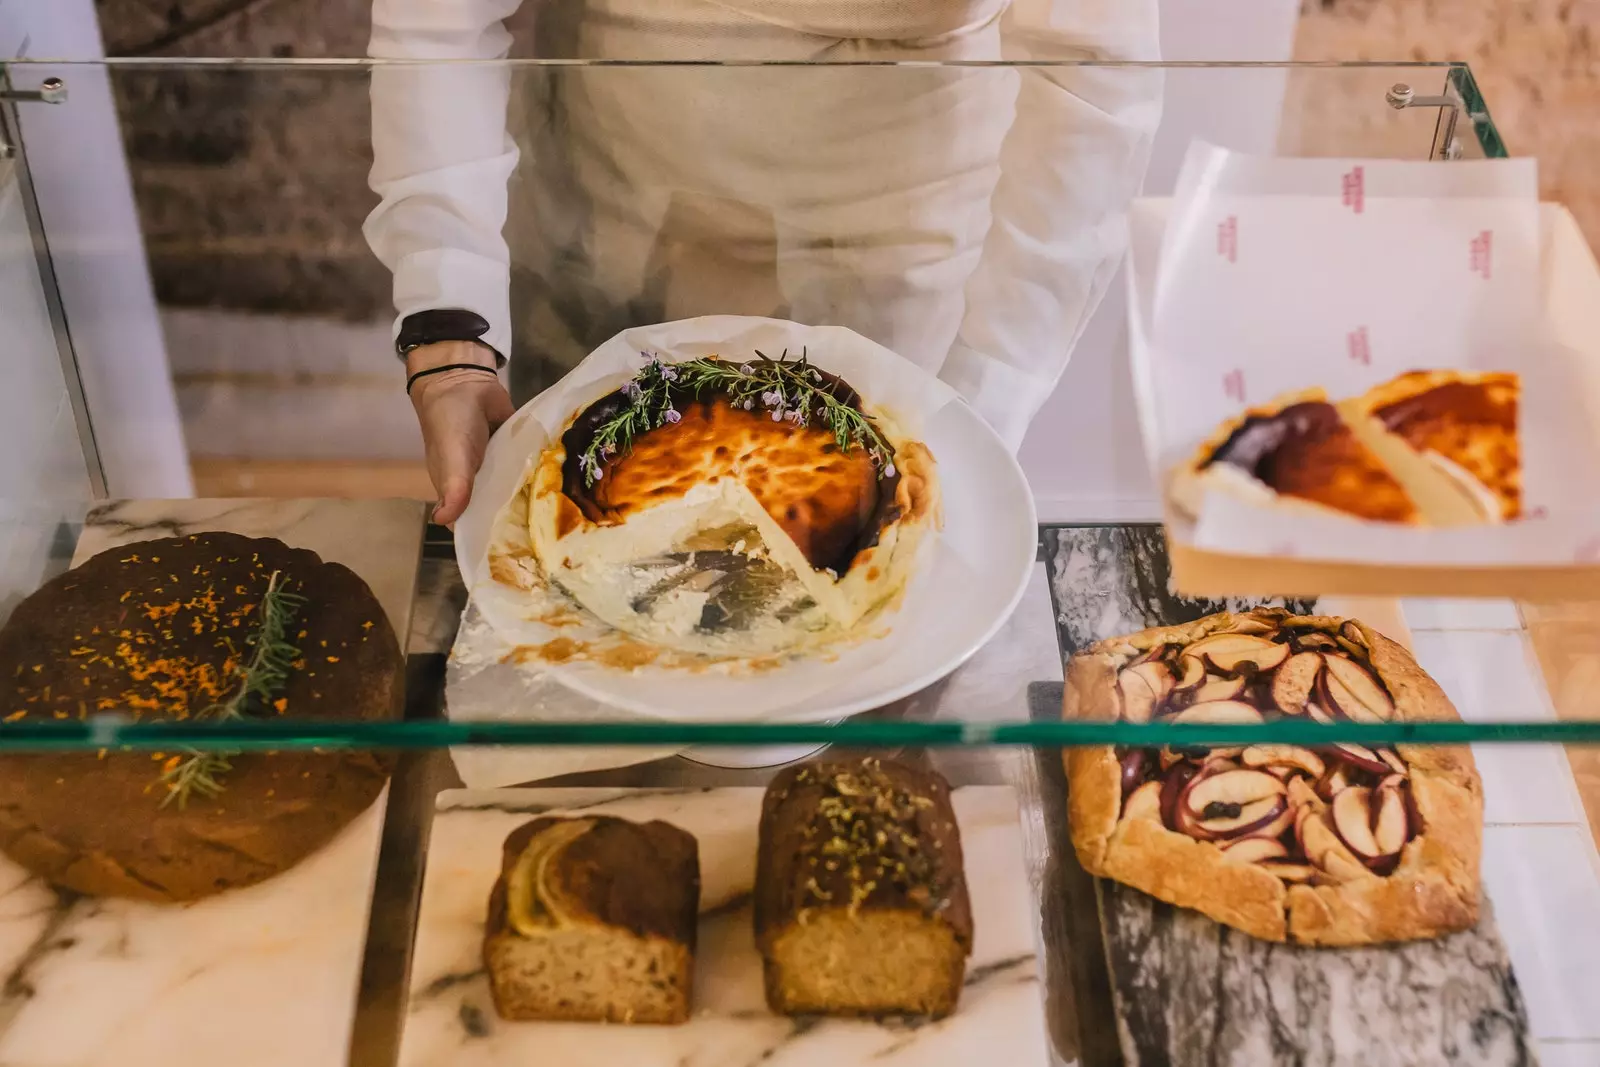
(442, 324)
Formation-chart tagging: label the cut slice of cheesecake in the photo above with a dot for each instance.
(1451, 438)
(1296, 449)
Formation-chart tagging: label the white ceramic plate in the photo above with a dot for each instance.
(971, 580)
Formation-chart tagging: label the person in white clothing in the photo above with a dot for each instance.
(968, 217)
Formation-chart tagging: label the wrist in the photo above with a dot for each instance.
(442, 353)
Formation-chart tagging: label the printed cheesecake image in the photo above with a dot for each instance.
(1429, 448)
(735, 508)
(1332, 845)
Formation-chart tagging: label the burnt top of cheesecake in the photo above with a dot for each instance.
(1265, 444)
(833, 500)
(1487, 401)
(1305, 450)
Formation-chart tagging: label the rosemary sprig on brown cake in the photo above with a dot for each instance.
(259, 680)
(791, 390)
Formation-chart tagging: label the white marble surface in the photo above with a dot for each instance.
(451, 1019)
(258, 977)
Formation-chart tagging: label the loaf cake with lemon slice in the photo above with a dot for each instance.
(593, 920)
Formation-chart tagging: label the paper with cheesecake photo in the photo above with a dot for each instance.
(952, 591)
(1348, 380)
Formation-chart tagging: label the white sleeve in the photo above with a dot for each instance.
(1073, 159)
(441, 157)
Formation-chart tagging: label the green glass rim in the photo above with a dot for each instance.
(302, 63)
(116, 733)
(1477, 112)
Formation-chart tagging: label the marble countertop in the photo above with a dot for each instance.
(257, 977)
(451, 1019)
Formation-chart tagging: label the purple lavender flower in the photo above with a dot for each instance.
(771, 397)
(632, 390)
(672, 415)
(747, 369)
(669, 373)
(777, 414)
(749, 404)
(889, 471)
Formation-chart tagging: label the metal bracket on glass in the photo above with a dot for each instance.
(50, 91)
(1401, 96)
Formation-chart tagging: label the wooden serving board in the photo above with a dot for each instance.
(451, 1019)
(1190, 991)
(256, 977)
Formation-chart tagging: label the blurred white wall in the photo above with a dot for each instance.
(1083, 455)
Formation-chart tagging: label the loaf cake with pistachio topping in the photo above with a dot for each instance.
(861, 903)
(593, 920)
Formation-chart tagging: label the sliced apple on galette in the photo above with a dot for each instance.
(1335, 844)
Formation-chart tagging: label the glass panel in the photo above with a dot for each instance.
(864, 195)
(46, 457)
(636, 193)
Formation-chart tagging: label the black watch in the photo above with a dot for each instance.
(444, 324)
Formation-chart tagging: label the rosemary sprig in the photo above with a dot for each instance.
(791, 390)
(260, 677)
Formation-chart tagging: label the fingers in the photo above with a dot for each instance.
(456, 416)
(454, 495)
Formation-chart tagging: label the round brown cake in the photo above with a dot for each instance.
(162, 630)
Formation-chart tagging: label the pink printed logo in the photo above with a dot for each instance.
(1482, 254)
(1536, 513)
(1355, 189)
(1228, 239)
(1233, 385)
(1589, 551)
(1359, 346)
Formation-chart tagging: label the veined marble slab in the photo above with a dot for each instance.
(1190, 991)
(257, 977)
(451, 1019)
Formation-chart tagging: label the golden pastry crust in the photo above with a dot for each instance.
(1432, 891)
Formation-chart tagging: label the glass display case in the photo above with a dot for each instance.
(266, 884)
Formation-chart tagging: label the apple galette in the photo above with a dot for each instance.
(1331, 845)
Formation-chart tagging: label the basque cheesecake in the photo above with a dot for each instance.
(1429, 448)
(737, 509)
(1339, 844)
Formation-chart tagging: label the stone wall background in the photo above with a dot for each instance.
(252, 189)
(1536, 61)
